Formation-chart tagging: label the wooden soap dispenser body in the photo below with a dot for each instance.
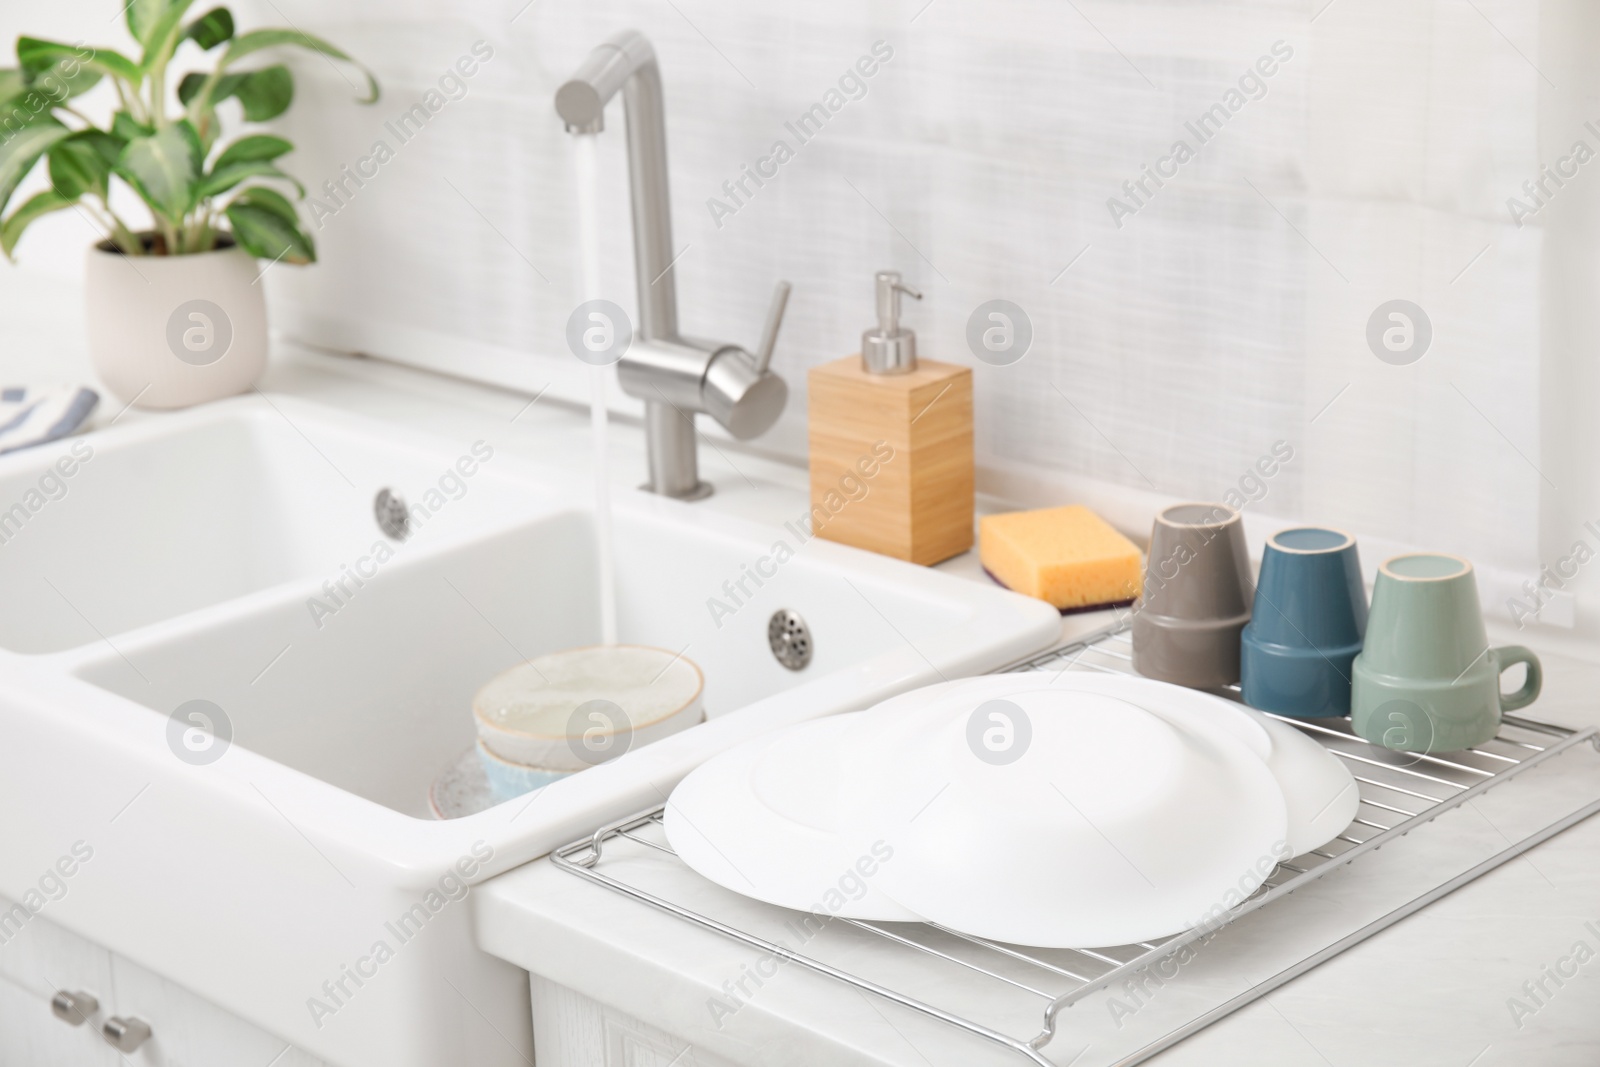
(891, 444)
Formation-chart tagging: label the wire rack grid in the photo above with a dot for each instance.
(1399, 793)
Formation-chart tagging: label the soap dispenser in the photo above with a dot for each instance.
(891, 443)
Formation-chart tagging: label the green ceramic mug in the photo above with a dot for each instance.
(1426, 679)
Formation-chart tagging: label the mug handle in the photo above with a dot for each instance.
(1509, 656)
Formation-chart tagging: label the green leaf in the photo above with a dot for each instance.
(248, 157)
(128, 128)
(265, 93)
(163, 169)
(256, 146)
(222, 178)
(20, 151)
(35, 57)
(142, 15)
(269, 200)
(256, 40)
(211, 29)
(82, 163)
(64, 79)
(31, 108)
(163, 35)
(266, 234)
(192, 83)
(55, 83)
(62, 86)
(42, 204)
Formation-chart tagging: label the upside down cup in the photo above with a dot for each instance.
(1310, 617)
(1197, 595)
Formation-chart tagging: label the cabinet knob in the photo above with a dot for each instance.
(125, 1035)
(73, 1009)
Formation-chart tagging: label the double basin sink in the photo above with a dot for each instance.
(278, 855)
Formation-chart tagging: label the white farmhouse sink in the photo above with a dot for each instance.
(207, 556)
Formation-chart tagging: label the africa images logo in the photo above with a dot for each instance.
(199, 332)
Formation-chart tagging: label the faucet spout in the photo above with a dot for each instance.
(626, 62)
(582, 100)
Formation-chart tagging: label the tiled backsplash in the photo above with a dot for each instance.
(1193, 308)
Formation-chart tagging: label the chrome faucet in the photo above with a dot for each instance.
(677, 377)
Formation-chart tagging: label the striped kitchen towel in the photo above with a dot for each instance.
(32, 415)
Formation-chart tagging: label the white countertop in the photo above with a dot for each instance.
(1433, 990)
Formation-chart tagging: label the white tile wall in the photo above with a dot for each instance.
(1225, 316)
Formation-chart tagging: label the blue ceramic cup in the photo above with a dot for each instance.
(1307, 625)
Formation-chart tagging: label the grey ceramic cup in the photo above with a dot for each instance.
(1197, 594)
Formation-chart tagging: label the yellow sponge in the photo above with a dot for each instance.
(1069, 557)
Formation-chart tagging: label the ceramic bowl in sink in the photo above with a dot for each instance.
(572, 709)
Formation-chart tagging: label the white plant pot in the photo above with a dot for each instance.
(173, 331)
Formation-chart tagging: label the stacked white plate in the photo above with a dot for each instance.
(1075, 811)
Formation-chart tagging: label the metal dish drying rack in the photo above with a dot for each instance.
(1399, 793)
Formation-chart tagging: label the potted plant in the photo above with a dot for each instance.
(176, 316)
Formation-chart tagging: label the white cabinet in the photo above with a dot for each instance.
(572, 1030)
(30, 1035)
(38, 958)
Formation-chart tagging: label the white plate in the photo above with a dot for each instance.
(763, 819)
(757, 819)
(1115, 825)
(1319, 791)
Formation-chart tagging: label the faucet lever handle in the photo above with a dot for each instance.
(769, 333)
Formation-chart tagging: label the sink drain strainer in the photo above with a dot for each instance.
(790, 639)
(389, 508)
